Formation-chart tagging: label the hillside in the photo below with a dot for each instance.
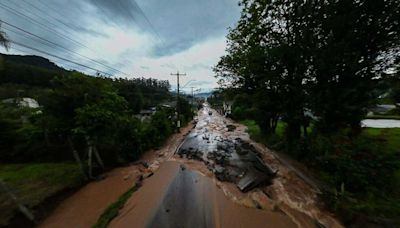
(31, 60)
(28, 70)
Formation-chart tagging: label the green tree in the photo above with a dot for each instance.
(265, 60)
(353, 44)
(327, 56)
(4, 41)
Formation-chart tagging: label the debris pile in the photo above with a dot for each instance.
(233, 161)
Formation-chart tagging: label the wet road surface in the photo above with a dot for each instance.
(186, 202)
(191, 197)
(228, 157)
(176, 197)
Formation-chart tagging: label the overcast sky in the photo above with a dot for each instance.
(144, 38)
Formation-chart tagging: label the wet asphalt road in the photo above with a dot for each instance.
(188, 196)
(186, 203)
(176, 196)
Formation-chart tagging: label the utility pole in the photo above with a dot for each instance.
(178, 122)
(192, 95)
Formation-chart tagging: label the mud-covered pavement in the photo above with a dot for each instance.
(231, 159)
(220, 178)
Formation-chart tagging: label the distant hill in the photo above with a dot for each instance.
(28, 70)
(31, 60)
(204, 95)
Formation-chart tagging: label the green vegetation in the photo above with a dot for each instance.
(272, 140)
(318, 67)
(388, 138)
(81, 118)
(33, 183)
(369, 162)
(112, 211)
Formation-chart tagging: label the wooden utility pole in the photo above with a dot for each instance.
(192, 94)
(178, 122)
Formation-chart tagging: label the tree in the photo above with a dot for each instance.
(324, 56)
(265, 59)
(353, 44)
(86, 109)
(4, 41)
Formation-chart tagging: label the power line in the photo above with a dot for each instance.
(136, 5)
(46, 13)
(16, 12)
(60, 46)
(25, 35)
(27, 53)
(58, 57)
(67, 25)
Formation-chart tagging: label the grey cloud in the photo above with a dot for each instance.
(197, 67)
(179, 24)
(170, 66)
(182, 23)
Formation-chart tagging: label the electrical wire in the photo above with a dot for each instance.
(58, 57)
(60, 46)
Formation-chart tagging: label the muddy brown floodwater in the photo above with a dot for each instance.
(178, 197)
(220, 178)
(83, 208)
(215, 177)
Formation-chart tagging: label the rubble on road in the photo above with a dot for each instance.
(231, 160)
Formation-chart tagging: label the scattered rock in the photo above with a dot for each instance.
(263, 201)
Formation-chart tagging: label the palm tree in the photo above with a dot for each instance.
(4, 41)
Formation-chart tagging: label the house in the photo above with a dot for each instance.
(146, 113)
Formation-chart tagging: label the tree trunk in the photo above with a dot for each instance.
(76, 156)
(90, 163)
(98, 158)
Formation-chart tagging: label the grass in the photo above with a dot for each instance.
(256, 134)
(389, 136)
(112, 211)
(371, 205)
(33, 183)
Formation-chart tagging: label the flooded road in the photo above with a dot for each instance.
(228, 157)
(218, 177)
(179, 197)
